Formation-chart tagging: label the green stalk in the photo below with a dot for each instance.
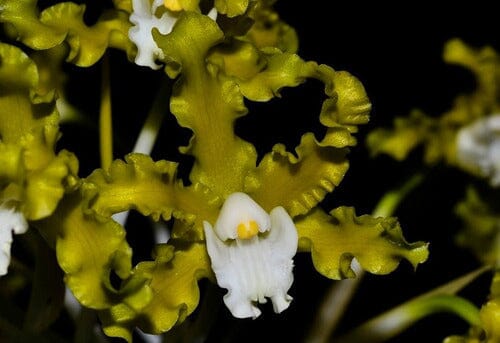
(394, 321)
(399, 318)
(105, 117)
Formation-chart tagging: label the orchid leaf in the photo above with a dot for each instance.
(172, 280)
(64, 22)
(88, 251)
(376, 243)
(298, 183)
(29, 131)
(221, 158)
(150, 188)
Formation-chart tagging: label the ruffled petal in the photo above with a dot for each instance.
(376, 243)
(144, 19)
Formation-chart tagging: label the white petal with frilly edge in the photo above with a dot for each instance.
(144, 19)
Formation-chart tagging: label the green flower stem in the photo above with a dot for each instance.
(337, 299)
(149, 132)
(440, 299)
(105, 119)
(391, 200)
(394, 321)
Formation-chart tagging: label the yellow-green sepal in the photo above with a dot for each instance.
(152, 188)
(88, 250)
(221, 158)
(407, 134)
(346, 107)
(64, 22)
(298, 183)
(172, 292)
(480, 227)
(34, 175)
(231, 8)
(334, 240)
(261, 73)
(268, 30)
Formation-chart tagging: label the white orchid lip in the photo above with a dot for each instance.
(144, 19)
(251, 253)
(478, 148)
(11, 222)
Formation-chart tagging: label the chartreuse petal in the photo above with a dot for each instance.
(300, 183)
(208, 103)
(297, 183)
(480, 227)
(88, 250)
(29, 132)
(269, 31)
(150, 188)
(484, 64)
(231, 8)
(376, 243)
(438, 135)
(407, 134)
(64, 22)
(261, 74)
(172, 281)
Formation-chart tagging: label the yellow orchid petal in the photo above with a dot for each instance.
(64, 22)
(297, 183)
(29, 132)
(88, 251)
(480, 227)
(376, 243)
(173, 283)
(269, 31)
(231, 8)
(151, 188)
(221, 158)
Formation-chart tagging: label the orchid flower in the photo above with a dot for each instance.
(454, 137)
(478, 147)
(236, 203)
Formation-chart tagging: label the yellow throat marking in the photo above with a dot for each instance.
(173, 5)
(247, 230)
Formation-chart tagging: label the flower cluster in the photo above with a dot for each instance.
(242, 217)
